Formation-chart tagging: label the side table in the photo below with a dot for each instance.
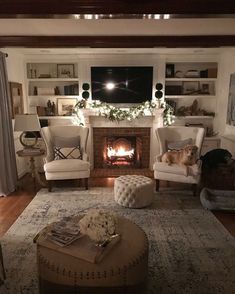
(33, 170)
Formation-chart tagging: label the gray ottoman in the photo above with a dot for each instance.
(133, 191)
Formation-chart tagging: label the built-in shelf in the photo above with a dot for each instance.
(50, 81)
(190, 79)
(189, 85)
(189, 96)
(53, 96)
(57, 117)
(196, 116)
(53, 80)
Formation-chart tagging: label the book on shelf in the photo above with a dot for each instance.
(71, 89)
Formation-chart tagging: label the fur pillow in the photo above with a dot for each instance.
(177, 145)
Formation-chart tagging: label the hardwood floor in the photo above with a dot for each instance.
(12, 206)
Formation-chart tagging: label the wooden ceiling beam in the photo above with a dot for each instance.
(44, 7)
(117, 41)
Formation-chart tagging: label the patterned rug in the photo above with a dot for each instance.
(190, 251)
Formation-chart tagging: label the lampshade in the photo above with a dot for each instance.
(27, 123)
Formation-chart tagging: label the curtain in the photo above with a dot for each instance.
(8, 169)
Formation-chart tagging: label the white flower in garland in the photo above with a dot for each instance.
(98, 225)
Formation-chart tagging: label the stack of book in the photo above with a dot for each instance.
(64, 233)
(71, 89)
(192, 74)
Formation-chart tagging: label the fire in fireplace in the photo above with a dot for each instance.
(120, 151)
(121, 147)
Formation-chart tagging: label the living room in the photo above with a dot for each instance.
(189, 61)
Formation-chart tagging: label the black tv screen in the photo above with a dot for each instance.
(118, 84)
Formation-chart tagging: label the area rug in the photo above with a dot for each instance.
(190, 251)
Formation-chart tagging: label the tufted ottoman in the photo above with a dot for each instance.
(133, 191)
(121, 271)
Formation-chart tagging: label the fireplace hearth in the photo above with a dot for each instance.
(121, 147)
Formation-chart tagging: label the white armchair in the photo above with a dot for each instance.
(176, 173)
(66, 153)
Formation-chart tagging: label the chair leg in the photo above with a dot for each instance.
(157, 184)
(194, 187)
(86, 183)
(49, 186)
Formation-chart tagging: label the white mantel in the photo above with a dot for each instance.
(152, 121)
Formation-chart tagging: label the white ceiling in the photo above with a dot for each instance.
(117, 27)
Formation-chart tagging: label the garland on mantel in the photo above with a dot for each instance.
(118, 114)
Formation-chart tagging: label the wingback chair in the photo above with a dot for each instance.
(66, 153)
(177, 138)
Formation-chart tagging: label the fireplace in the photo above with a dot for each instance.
(121, 147)
(120, 151)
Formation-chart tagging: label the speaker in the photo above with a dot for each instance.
(85, 88)
(159, 92)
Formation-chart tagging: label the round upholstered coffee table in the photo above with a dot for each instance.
(133, 191)
(123, 270)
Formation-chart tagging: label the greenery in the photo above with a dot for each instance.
(118, 114)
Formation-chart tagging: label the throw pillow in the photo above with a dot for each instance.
(67, 153)
(67, 148)
(177, 145)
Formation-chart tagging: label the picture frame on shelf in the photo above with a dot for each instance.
(65, 106)
(65, 70)
(170, 70)
(191, 88)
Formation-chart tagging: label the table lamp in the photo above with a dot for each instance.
(28, 123)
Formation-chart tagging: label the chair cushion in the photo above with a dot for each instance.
(67, 165)
(193, 170)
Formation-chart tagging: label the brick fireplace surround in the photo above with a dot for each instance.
(100, 135)
(143, 127)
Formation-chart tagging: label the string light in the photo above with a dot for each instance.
(117, 114)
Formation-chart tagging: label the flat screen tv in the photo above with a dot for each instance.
(120, 84)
